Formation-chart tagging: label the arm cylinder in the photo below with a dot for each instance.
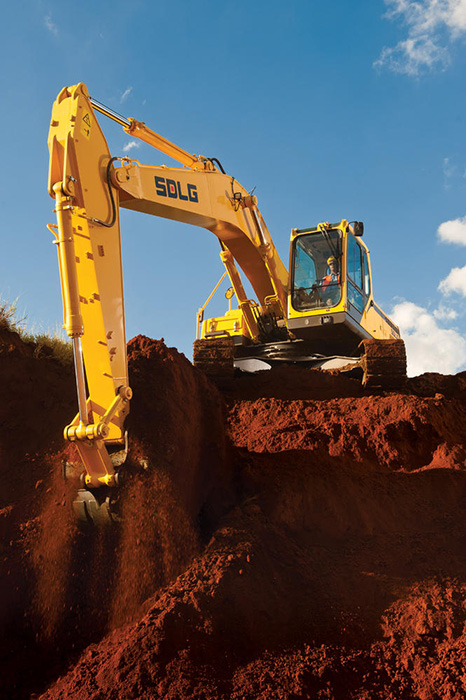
(80, 380)
(73, 322)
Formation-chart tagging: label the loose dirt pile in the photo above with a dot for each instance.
(292, 537)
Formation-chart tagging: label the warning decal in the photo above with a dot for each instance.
(86, 125)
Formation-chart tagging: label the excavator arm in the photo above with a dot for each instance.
(89, 189)
(89, 253)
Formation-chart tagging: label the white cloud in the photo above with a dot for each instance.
(126, 94)
(454, 282)
(444, 313)
(453, 231)
(412, 55)
(449, 171)
(456, 17)
(130, 145)
(51, 26)
(431, 24)
(448, 168)
(429, 347)
(426, 16)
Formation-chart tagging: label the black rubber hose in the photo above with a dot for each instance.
(112, 199)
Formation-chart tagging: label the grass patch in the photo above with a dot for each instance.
(8, 316)
(44, 344)
(50, 345)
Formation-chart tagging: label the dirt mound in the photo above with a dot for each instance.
(65, 586)
(177, 425)
(36, 392)
(392, 432)
(367, 606)
(298, 537)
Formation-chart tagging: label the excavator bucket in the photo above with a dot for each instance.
(93, 508)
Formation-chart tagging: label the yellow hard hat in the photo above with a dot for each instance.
(331, 259)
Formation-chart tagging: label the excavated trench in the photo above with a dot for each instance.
(287, 536)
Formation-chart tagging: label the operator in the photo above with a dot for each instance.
(330, 284)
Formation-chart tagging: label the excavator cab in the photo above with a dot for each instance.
(331, 308)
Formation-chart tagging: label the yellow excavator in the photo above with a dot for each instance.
(320, 313)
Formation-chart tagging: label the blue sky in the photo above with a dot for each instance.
(331, 110)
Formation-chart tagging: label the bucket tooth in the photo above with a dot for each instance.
(92, 510)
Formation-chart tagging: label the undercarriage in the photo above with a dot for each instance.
(381, 363)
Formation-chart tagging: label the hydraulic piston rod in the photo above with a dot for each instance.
(80, 380)
(141, 131)
(110, 113)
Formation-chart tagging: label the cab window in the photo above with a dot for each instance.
(355, 273)
(354, 262)
(316, 282)
(367, 279)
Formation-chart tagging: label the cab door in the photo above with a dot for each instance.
(358, 279)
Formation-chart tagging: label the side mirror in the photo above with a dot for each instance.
(358, 228)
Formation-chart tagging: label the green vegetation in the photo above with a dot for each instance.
(47, 344)
(8, 316)
(44, 344)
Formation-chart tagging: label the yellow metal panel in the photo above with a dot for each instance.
(95, 253)
(231, 324)
(99, 468)
(374, 321)
(206, 199)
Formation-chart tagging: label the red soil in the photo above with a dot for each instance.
(297, 538)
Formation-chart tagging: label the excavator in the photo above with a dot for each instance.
(320, 313)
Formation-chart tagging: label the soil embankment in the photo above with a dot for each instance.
(291, 537)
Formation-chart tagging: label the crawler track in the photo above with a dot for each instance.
(215, 357)
(384, 364)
